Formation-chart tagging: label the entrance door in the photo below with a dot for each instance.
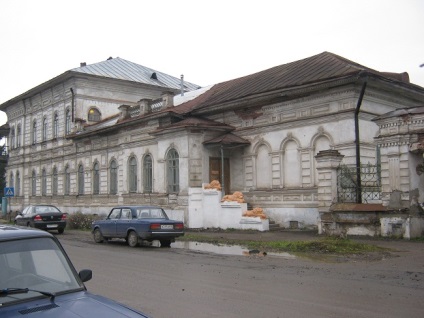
(215, 169)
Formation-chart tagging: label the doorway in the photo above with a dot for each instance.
(215, 172)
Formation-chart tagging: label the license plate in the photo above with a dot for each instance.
(167, 227)
(51, 225)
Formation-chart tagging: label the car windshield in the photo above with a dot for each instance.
(151, 213)
(46, 209)
(35, 264)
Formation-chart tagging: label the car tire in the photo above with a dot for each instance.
(98, 237)
(132, 239)
(60, 231)
(165, 243)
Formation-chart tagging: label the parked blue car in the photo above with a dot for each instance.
(38, 279)
(136, 224)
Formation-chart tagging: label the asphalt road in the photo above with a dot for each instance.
(177, 282)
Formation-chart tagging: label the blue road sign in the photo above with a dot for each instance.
(9, 192)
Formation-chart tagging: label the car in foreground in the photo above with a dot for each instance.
(37, 279)
(44, 217)
(136, 224)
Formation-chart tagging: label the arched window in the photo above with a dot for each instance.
(68, 122)
(11, 180)
(44, 136)
(18, 136)
(292, 165)
(94, 115)
(18, 184)
(173, 173)
(67, 180)
(12, 138)
(34, 132)
(55, 125)
(148, 174)
(132, 174)
(96, 178)
(34, 183)
(80, 179)
(44, 182)
(54, 181)
(113, 185)
(263, 168)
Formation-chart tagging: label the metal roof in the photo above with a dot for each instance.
(125, 70)
(313, 70)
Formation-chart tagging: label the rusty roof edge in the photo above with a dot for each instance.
(282, 92)
(122, 124)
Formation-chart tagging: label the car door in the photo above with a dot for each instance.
(124, 222)
(24, 217)
(108, 227)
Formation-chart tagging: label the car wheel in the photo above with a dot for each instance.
(29, 224)
(132, 239)
(61, 231)
(165, 243)
(97, 235)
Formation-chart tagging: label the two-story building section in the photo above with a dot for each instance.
(258, 134)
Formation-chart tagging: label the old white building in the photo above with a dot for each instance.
(118, 133)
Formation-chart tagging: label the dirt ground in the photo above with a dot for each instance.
(383, 284)
(402, 253)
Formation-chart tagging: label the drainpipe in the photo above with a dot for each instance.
(357, 142)
(222, 170)
(72, 103)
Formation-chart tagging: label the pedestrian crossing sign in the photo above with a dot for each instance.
(9, 192)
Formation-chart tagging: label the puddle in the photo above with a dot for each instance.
(223, 249)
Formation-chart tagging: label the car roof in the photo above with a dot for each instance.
(136, 206)
(41, 205)
(12, 232)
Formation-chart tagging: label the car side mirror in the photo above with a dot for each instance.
(85, 275)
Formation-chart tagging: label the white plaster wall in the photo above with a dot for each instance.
(306, 217)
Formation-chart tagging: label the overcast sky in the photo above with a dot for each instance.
(207, 41)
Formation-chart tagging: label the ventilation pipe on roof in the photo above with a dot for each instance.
(364, 75)
(182, 85)
(83, 64)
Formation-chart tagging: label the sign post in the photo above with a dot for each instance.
(9, 192)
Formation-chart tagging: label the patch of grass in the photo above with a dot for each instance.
(327, 245)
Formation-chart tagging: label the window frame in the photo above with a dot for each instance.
(44, 129)
(34, 183)
(55, 125)
(132, 174)
(96, 178)
(173, 171)
(147, 174)
(67, 189)
(34, 132)
(54, 181)
(113, 177)
(81, 179)
(94, 115)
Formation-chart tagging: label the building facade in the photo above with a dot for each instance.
(86, 142)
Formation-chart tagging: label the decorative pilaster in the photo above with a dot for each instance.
(327, 163)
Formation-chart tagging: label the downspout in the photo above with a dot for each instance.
(357, 141)
(72, 104)
(222, 171)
